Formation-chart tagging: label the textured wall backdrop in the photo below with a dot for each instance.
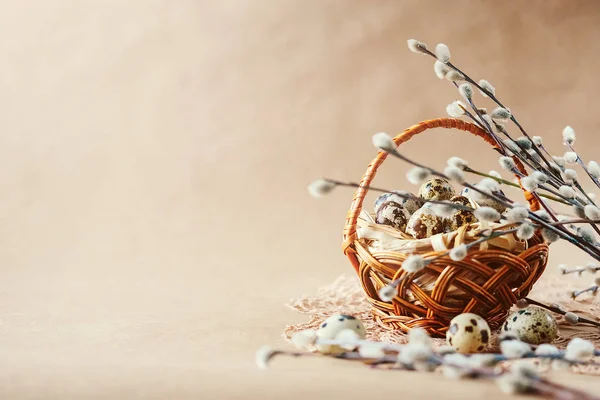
(155, 155)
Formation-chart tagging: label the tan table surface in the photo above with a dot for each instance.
(154, 161)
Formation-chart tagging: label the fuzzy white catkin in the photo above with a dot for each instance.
(500, 113)
(372, 350)
(495, 174)
(514, 348)
(263, 355)
(546, 349)
(486, 214)
(569, 176)
(440, 69)
(511, 145)
(570, 157)
(523, 142)
(320, 187)
(567, 191)
(594, 169)
(416, 47)
(417, 175)
(384, 142)
(524, 368)
(490, 184)
(507, 163)
(457, 162)
(537, 140)
(304, 338)
(413, 263)
(387, 293)
(481, 195)
(419, 335)
(517, 214)
(510, 383)
(529, 184)
(455, 76)
(543, 215)
(349, 339)
(466, 91)
(458, 253)
(442, 52)
(455, 109)
(539, 177)
(562, 268)
(444, 210)
(414, 353)
(568, 135)
(579, 350)
(525, 231)
(571, 318)
(549, 235)
(586, 233)
(496, 127)
(487, 88)
(455, 174)
(592, 212)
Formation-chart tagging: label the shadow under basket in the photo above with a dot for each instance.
(488, 282)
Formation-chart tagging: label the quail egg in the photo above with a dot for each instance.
(392, 214)
(411, 205)
(468, 333)
(424, 223)
(436, 189)
(335, 324)
(533, 325)
(460, 217)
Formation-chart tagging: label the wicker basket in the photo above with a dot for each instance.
(488, 282)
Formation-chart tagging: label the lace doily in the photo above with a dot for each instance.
(345, 296)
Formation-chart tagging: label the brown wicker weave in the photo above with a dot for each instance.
(488, 281)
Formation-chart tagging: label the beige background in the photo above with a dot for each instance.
(155, 154)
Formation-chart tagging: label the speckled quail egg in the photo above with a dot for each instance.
(411, 205)
(532, 325)
(468, 333)
(392, 214)
(335, 324)
(460, 217)
(436, 189)
(484, 201)
(424, 223)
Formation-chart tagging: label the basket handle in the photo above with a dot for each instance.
(359, 196)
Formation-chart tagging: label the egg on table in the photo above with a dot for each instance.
(484, 201)
(392, 214)
(468, 333)
(411, 205)
(460, 217)
(424, 223)
(335, 324)
(533, 325)
(436, 189)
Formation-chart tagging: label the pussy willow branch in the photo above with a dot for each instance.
(494, 99)
(558, 310)
(582, 165)
(509, 183)
(591, 250)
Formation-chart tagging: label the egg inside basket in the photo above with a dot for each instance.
(488, 281)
